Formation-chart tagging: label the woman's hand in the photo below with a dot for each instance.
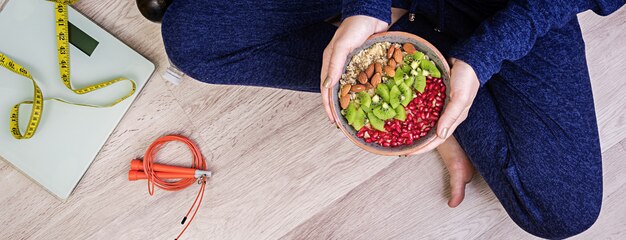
(464, 85)
(351, 34)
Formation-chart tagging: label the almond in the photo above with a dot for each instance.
(369, 71)
(376, 79)
(409, 48)
(378, 68)
(345, 89)
(344, 101)
(390, 52)
(368, 86)
(389, 71)
(358, 88)
(392, 63)
(362, 78)
(397, 55)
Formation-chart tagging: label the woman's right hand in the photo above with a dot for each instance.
(351, 34)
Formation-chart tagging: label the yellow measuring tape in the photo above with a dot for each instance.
(63, 51)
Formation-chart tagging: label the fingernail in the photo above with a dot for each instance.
(327, 82)
(444, 133)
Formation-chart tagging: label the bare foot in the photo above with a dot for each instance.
(460, 169)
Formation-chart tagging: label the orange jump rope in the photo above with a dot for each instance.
(157, 173)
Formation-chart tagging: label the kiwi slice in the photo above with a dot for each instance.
(390, 84)
(420, 83)
(430, 67)
(376, 101)
(400, 113)
(399, 75)
(415, 64)
(365, 100)
(376, 122)
(395, 96)
(359, 119)
(406, 68)
(351, 113)
(407, 94)
(418, 56)
(384, 112)
(383, 91)
(409, 81)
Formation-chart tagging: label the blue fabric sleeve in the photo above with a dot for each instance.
(511, 33)
(380, 9)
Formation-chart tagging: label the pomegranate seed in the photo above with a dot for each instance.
(386, 144)
(369, 140)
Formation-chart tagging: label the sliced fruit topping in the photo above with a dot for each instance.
(415, 64)
(407, 94)
(406, 68)
(383, 91)
(418, 56)
(376, 122)
(400, 113)
(384, 112)
(365, 101)
(399, 75)
(376, 100)
(409, 81)
(351, 113)
(394, 96)
(359, 119)
(429, 66)
(420, 83)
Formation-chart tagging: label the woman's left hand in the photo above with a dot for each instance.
(464, 85)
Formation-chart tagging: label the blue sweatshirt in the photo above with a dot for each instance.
(508, 35)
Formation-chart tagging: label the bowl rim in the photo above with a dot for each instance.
(391, 151)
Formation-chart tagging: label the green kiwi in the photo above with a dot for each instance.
(400, 113)
(376, 122)
(384, 112)
(376, 101)
(430, 67)
(365, 100)
(399, 75)
(409, 81)
(406, 68)
(359, 119)
(351, 113)
(383, 91)
(394, 97)
(390, 83)
(407, 94)
(420, 83)
(415, 64)
(418, 56)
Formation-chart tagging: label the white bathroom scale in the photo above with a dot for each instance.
(69, 137)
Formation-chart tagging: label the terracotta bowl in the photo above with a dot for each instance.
(394, 37)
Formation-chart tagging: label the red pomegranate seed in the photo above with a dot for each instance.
(359, 134)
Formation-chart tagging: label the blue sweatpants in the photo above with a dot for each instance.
(531, 131)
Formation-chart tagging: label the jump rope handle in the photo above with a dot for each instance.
(164, 171)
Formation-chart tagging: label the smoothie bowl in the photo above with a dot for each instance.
(392, 92)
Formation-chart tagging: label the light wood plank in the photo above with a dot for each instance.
(606, 51)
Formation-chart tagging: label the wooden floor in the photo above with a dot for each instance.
(282, 171)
